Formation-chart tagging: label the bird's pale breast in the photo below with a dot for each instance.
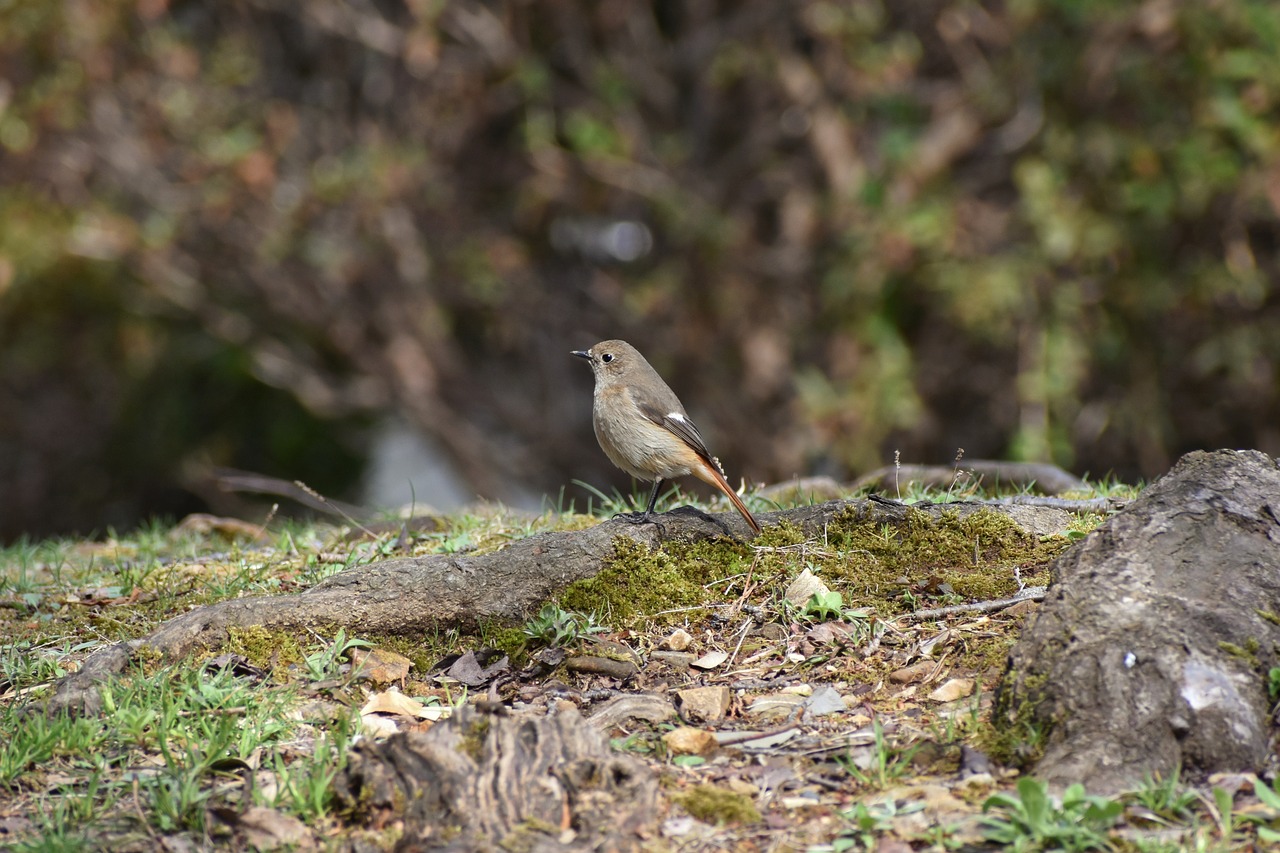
(636, 444)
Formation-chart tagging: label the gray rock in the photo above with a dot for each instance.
(1152, 647)
(825, 700)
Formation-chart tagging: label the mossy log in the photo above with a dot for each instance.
(418, 595)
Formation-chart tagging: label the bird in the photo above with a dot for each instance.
(643, 428)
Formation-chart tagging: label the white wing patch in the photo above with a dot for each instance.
(681, 419)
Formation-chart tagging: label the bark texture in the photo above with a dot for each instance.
(1153, 645)
(499, 782)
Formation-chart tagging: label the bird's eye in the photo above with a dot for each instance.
(607, 357)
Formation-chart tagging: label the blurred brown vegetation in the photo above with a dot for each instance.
(235, 232)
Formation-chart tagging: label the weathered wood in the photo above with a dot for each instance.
(502, 782)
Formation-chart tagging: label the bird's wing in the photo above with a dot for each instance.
(679, 424)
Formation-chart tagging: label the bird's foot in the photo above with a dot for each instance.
(641, 518)
(634, 517)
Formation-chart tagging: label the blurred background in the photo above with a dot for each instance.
(352, 243)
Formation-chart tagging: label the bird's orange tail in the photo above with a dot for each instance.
(709, 474)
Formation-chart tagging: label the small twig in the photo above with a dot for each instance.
(694, 607)
(1035, 593)
(137, 805)
(897, 469)
(727, 580)
(238, 711)
(937, 668)
(802, 547)
(746, 626)
(262, 528)
(747, 737)
(336, 508)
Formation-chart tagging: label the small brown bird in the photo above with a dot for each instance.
(644, 430)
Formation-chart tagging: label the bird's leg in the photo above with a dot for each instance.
(645, 517)
(653, 499)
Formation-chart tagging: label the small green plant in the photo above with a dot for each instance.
(1219, 805)
(38, 740)
(1032, 820)
(823, 606)
(1273, 683)
(1266, 819)
(866, 822)
(688, 760)
(829, 606)
(306, 786)
(1166, 797)
(178, 793)
(324, 663)
(619, 504)
(641, 743)
(884, 763)
(560, 628)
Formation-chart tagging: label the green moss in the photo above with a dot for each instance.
(149, 660)
(265, 649)
(781, 535)
(1016, 731)
(869, 563)
(716, 805)
(985, 654)
(472, 743)
(974, 554)
(1269, 616)
(511, 639)
(638, 582)
(1247, 652)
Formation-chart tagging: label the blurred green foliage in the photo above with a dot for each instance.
(1043, 229)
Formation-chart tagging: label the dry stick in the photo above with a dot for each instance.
(1032, 594)
(937, 668)
(746, 626)
(146, 824)
(692, 608)
(339, 510)
(747, 737)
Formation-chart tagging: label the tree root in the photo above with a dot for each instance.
(417, 595)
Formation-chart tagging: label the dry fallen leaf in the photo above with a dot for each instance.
(710, 660)
(380, 665)
(394, 702)
(203, 524)
(915, 673)
(268, 829)
(805, 586)
(953, 689)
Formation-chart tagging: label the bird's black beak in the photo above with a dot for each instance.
(581, 353)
